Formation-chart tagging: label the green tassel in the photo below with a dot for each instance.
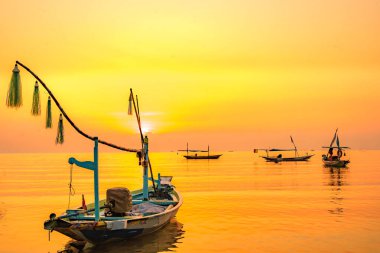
(60, 136)
(36, 105)
(48, 114)
(14, 97)
(130, 104)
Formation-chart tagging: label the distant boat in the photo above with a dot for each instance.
(202, 156)
(196, 151)
(280, 158)
(335, 160)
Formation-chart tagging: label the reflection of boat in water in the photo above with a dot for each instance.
(196, 151)
(163, 240)
(280, 158)
(337, 178)
(335, 160)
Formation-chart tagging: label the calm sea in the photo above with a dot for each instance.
(238, 203)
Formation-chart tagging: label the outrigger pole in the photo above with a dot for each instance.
(93, 165)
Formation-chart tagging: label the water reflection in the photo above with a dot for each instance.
(337, 179)
(165, 239)
(2, 211)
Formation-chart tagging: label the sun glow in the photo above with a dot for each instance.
(146, 128)
(232, 73)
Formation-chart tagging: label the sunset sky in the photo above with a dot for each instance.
(236, 75)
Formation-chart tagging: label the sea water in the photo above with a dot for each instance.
(238, 203)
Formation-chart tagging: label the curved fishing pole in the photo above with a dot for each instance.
(68, 118)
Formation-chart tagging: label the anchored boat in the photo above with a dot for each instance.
(118, 217)
(335, 159)
(196, 151)
(280, 158)
(123, 213)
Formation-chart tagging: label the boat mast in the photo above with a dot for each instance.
(144, 143)
(145, 165)
(333, 140)
(295, 148)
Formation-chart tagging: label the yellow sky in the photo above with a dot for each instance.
(233, 74)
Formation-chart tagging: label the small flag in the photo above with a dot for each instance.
(255, 150)
(84, 207)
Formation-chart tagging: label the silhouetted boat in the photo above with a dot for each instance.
(331, 160)
(202, 156)
(196, 151)
(280, 158)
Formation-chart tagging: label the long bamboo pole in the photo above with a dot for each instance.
(137, 112)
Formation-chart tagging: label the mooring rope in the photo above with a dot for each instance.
(71, 188)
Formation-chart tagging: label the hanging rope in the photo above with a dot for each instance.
(71, 188)
(67, 117)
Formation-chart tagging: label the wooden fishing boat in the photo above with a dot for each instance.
(202, 156)
(196, 151)
(145, 217)
(122, 214)
(332, 159)
(280, 158)
(335, 163)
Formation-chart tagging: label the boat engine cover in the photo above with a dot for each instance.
(119, 199)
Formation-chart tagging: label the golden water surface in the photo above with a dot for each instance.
(238, 203)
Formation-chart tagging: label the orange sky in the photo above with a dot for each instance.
(233, 74)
